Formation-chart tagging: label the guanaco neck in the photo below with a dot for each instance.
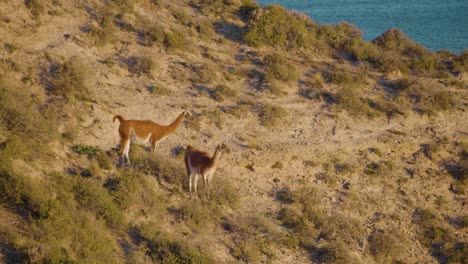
(172, 127)
(216, 157)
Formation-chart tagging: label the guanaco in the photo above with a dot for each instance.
(201, 163)
(144, 130)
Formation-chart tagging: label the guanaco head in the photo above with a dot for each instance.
(223, 148)
(186, 114)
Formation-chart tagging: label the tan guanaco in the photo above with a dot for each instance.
(144, 130)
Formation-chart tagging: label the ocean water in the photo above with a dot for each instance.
(436, 24)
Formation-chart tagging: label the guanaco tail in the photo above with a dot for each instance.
(201, 163)
(144, 130)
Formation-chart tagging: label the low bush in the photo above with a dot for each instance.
(222, 192)
(25, 126)
(159, 89)
(345, 78)
(90, 151)
(278, 69)
(103, 160)
(205, 30)
(290, 217)
(182, 16)
(36, 7)
(165, 168)
(439, 240)
(348, 99)
(385, 246)
(93, 197)
(152, 33)
(460, 62)
(271, 115)
(104, 31)
(175, 40)
(275, 26)
(337, 252)
(164, 248)
(142, 65)
(197, 214)
(123, 188)
(70, 79)
(223, 92)
(248, 7)
(15, 190)
(10, 48)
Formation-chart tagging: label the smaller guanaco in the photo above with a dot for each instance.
(145, 131)
(201, 163)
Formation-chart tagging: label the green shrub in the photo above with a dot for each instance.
(164, 248)
(153, 33)
(336, 252)
(175, 40)
(460, 63)
(14, 189)
(223, 92)
(222, 192)
(159, 89)
(95, 198)
(125, 5)
(104, 32)
(290, 217)
(182, 16)
(90, 151)
(241, 110)
(165, 168)
(377, 151)
(37, 7)
(123, 189)
(248, 7)
(271, 115)
(198, 214)
(103, 160)
(362, 50)
(316, 81)
(205, 30)
(402, 84)
(25, 126)
(70, 79)
(142, 65)
(349, 100)
(343, 77)
(10, 48)
(275, 26)
(69, 236)
(278, 69)
(385, 246)
(138, 154)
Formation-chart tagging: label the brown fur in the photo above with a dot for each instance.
(201, 163)
(144, 129)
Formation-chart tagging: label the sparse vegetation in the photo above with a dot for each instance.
(159, 89)
(70, 79)
(104, 31)
(10, 47)
(272, 115)
(384, 119)
(279, 69)
(36, 7)
(223, 92)
(142, 65)
(175, 40)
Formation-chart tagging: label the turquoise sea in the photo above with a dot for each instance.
(435, 24)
